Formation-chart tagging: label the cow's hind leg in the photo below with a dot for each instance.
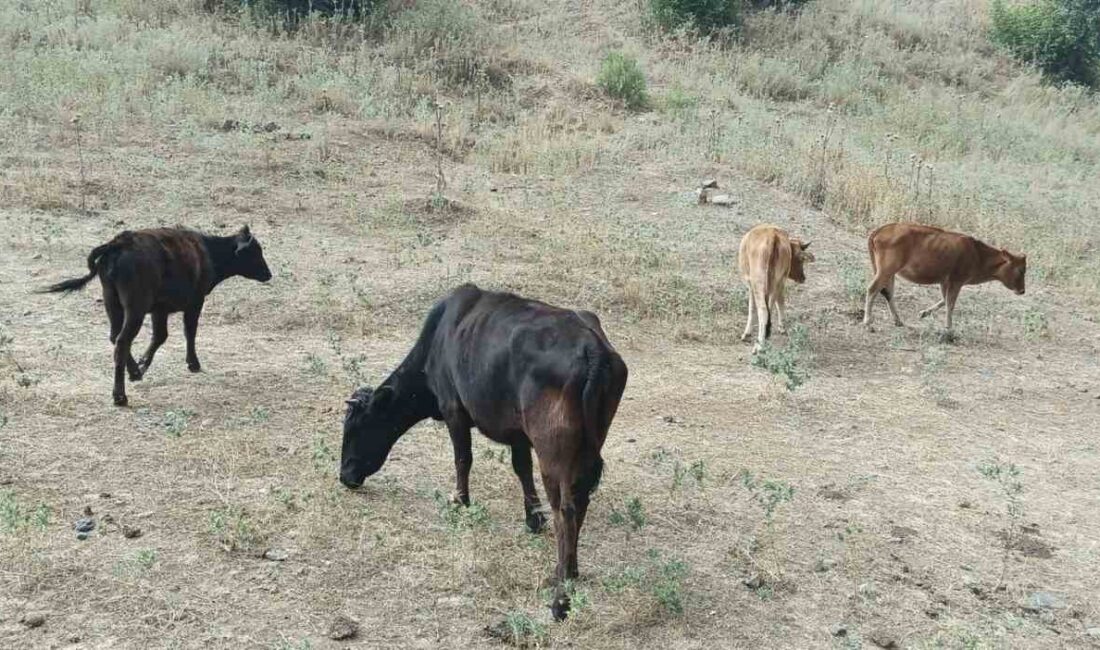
(779, 308)
(160, 335)
(560, 493)
(763, 321)
(190, 328)
(747, 334)
(569, 499)
(888, 291)
(924, 313)
(521, 463)
(115, 312)
(883, 283)
(130, 327)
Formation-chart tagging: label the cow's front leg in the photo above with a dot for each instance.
(532, 507)
(190, 328)
(458, 425)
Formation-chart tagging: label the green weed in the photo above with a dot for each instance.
(458, 517)
(175, 422)
(632, 514)
(788, 362)
(1006, 477)
(234, 529)
(622, 78)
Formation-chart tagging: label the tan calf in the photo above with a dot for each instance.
(767, 257)
(929, 255)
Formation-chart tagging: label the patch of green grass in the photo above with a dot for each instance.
(853, 278)
(1035, 323)
(146, 558)
(321, 454)
(525, 631)
(259, 414)
(661, 577)
(15, 518)
(175, 422)
(315, 365)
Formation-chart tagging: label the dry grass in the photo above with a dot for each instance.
(892, 529)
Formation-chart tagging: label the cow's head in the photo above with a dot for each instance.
(1011, 270)
(248, 258)
(799, 257)
(372, 424)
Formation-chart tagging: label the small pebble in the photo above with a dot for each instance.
(85, 525)
(131, 532)
(33, 619)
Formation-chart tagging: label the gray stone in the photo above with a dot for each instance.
(839, 629)
(343, 628)
(883, 639)
(84, 525)
(33, 619)
(1043, 600)
(276, 555)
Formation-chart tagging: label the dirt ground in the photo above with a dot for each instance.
(893, 536)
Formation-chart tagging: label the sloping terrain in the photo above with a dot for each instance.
(899, 528)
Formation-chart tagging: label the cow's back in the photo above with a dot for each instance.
(765, 257)
(923, 254)
(493, 352)
(170, 263)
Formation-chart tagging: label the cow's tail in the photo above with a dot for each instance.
(770, 256)
(94, 259)
(600, 397)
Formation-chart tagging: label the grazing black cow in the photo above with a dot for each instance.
(159, 272)
(526, 374)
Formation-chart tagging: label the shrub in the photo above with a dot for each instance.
(294, 10)
(1060, 37)
(622, 78)
(707, 16)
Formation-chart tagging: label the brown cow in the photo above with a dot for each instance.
(162, 271)
(767, 257)
(929, 255)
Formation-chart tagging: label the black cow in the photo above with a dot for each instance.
(162, 271)
(526, 374)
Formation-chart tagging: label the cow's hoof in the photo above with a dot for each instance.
(120, 400)
(746, 337)
(194, 367)
(136, 375)
(460, 499)
(559, 608)
(536, 522)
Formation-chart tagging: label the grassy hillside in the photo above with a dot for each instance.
(382, 164)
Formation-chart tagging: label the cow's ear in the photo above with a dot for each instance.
(381, 399)
(245, 232)
(804, 245)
